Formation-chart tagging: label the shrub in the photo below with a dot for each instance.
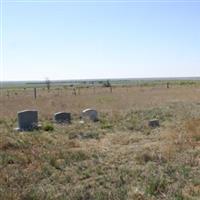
(48, 127)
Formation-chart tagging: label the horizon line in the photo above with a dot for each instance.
(97, 79)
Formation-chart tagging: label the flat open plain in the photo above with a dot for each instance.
(118, 157)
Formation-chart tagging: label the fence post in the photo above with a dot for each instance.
(35, 93)
(167, 84)
(94, 90)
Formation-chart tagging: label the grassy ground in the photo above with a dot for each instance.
(119, 157)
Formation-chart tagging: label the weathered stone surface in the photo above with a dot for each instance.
(27, 120)
(154, 123)
(90, 114)
(62, 117)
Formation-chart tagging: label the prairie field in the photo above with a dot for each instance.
(117, 158)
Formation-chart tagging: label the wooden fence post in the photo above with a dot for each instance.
(35, 93)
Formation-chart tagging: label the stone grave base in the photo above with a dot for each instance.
(29, 130)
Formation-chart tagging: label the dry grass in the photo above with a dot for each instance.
(121, 100)
(119, 157)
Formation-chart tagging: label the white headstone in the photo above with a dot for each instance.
(90, 114)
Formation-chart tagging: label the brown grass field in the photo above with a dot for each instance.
(116, 158)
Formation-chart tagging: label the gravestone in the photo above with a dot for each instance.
(90, 114)
(27, 120)
(62, 117)
(154, 123)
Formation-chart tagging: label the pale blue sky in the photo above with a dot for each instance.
(100, 40)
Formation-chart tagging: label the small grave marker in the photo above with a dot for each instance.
(90, 114)
(62, 117)
(154, 123)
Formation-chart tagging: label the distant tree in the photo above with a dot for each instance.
(107, 84)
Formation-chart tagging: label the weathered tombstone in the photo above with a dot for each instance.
(27, 120)
(90, 114)
(62, 117)
(154, 123)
